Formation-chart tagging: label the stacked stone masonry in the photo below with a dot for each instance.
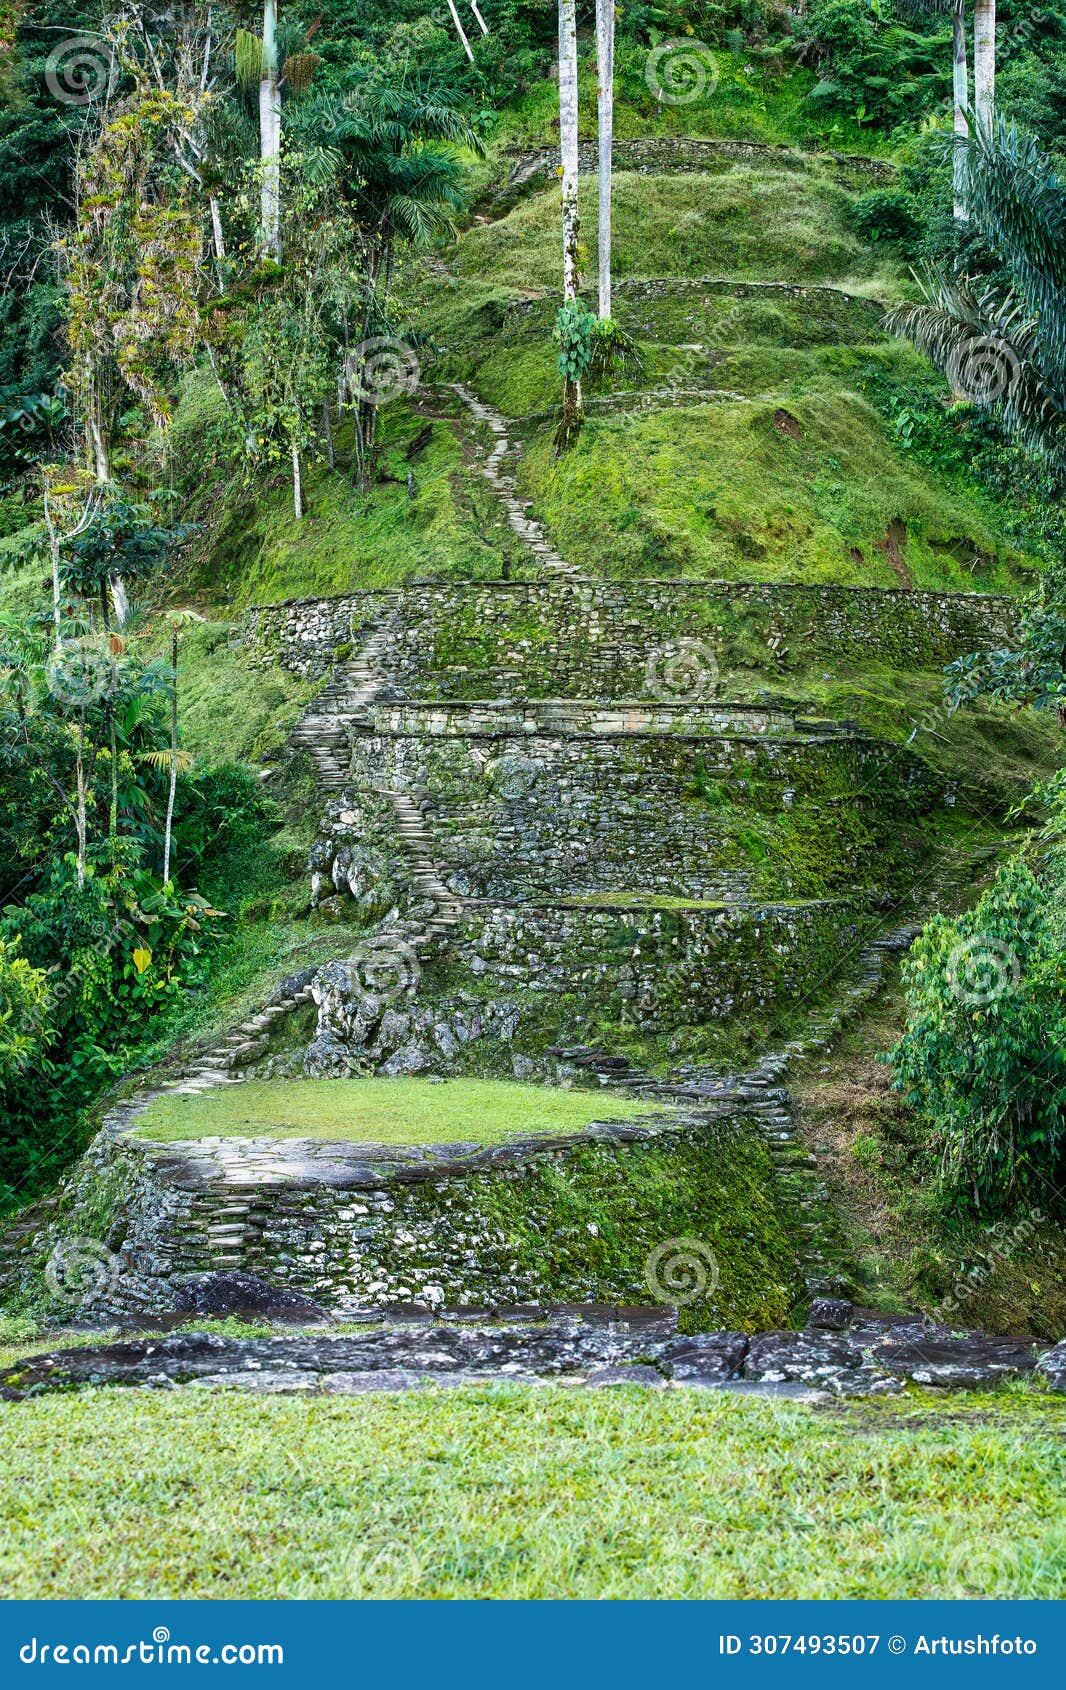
(564, 640)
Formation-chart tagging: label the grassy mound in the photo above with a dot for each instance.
(743, 222)
(518, 1493)
(809, 489)
(383, 1111)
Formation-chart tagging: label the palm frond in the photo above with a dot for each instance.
(1018, 201)
(248, 58)
(985, 343)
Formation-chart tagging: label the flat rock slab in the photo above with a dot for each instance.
(243, 1294)
(592, 1344)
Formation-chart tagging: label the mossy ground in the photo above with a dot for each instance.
(906, 1246)
(383, 1111)
(512, 1492)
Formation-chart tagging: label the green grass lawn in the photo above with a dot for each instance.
(518, 1492)
(383, 1111)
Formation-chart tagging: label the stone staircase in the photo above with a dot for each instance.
(417, 844)
(325, 730)
(504, 484)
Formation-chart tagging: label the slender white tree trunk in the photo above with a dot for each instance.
(297, 482)
(462, 31)
(984, 63)
(605, 75)
(270, 134)
(53, 551)
(120, 600)
(568, 141)
(568, 153)
(80, 817)
(216, 229)
(961, 96)
(168, 832)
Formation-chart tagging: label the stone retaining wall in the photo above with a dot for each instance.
(529, 816)
(676, 154)
(478, 640)
(358, 1227)
(659, 969)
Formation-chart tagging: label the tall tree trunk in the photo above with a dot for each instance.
(120, 599)
(984, 63)
(270, 134)
(327, 434)
(462, 31)
(605, 75)
(297, 481)
(216, 229)
(961, 95)
(568, 154)
(80, 823)
(98, 434)
(168, 831)
(53, 552)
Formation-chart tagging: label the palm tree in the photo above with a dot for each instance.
(605, 78)
(960, 100)
(984, 62)
(568, 154)
(1003, 342)
(392, 155)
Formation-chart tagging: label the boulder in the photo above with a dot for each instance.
(962, 1361)
(707, 1358)
(830, 1314)
(1052, 1366)
(246, 1296)
(812, 1357)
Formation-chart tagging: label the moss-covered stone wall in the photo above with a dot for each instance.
(588, 639)
(575, 1223)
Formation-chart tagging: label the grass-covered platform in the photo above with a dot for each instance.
(379, 1111)
(524, 1493)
